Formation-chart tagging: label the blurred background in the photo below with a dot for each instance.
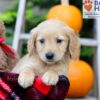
(36, 12)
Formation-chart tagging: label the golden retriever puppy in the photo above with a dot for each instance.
(51, 46)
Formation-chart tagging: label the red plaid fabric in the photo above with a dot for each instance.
(10, 90)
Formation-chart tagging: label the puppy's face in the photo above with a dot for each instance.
(52, 40)
(51, 44)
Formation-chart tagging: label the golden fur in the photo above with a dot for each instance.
(49, 36)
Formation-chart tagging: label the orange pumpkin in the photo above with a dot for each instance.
(81, 79)
(67, 13)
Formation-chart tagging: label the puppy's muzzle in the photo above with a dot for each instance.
(49, 56)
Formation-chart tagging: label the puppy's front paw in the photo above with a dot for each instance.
(26, 80)
(50, 78)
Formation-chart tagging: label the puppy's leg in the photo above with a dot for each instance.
(26, 77)
(50, 78)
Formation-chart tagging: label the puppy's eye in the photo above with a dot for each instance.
(42, 41)
(59, 40)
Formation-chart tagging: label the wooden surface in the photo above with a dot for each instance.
(19, 24)
(87, 98)
(97, 67)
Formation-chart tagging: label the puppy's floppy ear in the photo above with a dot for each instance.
(31, 42)
(73, 45)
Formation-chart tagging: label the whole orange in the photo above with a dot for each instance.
(81, 78)
(71, 15)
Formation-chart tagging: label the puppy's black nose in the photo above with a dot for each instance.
(49, 55)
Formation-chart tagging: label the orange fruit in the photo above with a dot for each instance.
(81, 79)
(71, 15)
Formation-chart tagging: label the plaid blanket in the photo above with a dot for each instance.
(10, 90)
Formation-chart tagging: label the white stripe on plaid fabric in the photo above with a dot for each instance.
(4, 85)
(8, 89)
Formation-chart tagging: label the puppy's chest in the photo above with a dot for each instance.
(40, 70)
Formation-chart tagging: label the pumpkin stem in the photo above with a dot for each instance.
(65, 2)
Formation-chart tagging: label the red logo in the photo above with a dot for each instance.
(87, 4)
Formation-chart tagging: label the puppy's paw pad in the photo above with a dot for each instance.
(25, 80)
(50, 78)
